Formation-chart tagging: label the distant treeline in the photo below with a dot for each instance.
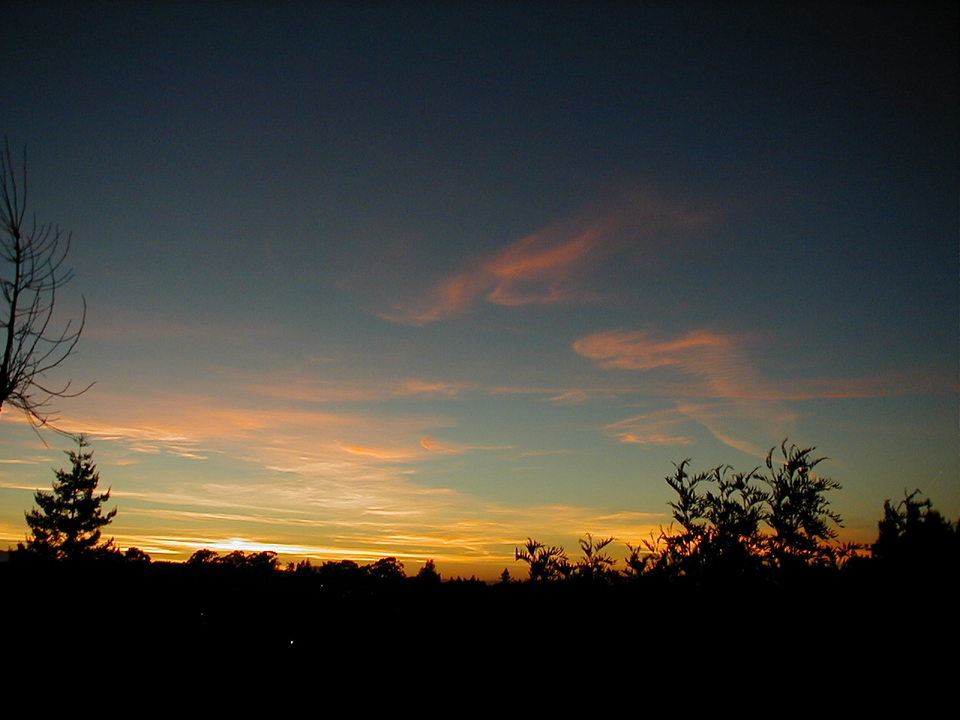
(750, 558)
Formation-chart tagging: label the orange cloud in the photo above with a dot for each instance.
(548, 266)
(534, 269)
(427, 387)
(435, 446)
(717, 365)
(716, 362)
(313, 390)
(710, 365)
(378, 453)
(654, 428)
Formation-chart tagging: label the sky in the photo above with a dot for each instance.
(426, 279)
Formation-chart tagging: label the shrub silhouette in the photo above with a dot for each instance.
(721, 515)
(546, 562)
(913, 533)
(594, 564)
(799, 511)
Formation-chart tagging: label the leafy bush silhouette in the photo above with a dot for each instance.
(913, 533)
(799, 511)
(721, 515)
(546, 562)
(639, 561)
(595, 565)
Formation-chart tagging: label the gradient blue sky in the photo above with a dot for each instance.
(425, 279)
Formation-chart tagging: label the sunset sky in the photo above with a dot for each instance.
(425, 279)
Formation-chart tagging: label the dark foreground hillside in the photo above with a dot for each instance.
(863, 617)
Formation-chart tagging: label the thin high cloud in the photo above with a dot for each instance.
(711, 364)
(717, 386)
(661, 427)
(537, 269)
(312, 390)
(736, 400)
(550, 265)
(433, 445)
(715, 364)
(728, 421)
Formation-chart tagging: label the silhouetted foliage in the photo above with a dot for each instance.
(428, 574)
(340, 573)
(66, 525)
(638, 562)
(595, 565)
(387, 569)
(236, 559)
(33, 270)
(912, 532)
(265, 560)
(303, 567)
(546, 562)
(203, 557)
(137, 556)
(720, 515)
(799, 511)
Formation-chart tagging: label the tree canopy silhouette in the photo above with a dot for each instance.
(721, 513)
(32, 257)
(913, 534)
(66, 524)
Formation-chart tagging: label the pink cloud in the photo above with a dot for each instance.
(653, 428)
(538, 269)
(549, 266)
(716, 364)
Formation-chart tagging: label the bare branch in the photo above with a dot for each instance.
(32, 263)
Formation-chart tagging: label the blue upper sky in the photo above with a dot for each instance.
(422, 279)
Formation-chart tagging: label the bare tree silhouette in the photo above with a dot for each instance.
(33, 270)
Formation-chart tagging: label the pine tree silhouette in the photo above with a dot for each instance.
(66, 525)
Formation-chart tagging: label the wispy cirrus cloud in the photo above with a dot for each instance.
(549, 266)
(652, 428)
(537, 269)
(712, 364)
(729, 421)
(450, 448)
(716, 364)
(737, 400)
(309, 389)
(716, 385)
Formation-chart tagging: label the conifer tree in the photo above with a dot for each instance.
(66, 525)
